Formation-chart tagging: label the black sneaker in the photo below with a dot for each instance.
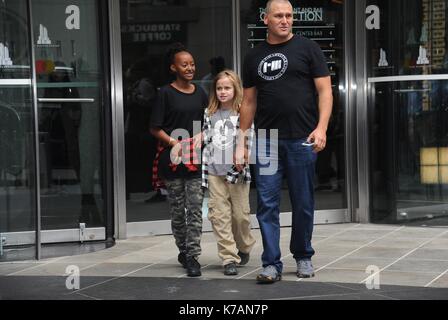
(182, 258)
(230, 269)
(244, 258)
(193, 267)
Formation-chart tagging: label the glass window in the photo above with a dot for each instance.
(409, 116)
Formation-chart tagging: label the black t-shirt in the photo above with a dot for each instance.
(174, 110)
(283, 75)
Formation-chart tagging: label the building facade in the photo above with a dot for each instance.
(78, 80)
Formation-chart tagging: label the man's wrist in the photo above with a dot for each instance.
(322, 127)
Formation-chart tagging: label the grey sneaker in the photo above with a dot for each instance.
(269, 275)
(305, 268)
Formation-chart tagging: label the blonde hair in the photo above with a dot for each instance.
(214, 103)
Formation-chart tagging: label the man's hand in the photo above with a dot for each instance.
(319, 137)
(240, 157)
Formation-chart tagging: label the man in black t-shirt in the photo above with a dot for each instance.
(287, 88)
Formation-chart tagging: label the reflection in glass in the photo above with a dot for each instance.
(147, 30)
(70, 81)
(409, 131)
(409, 156)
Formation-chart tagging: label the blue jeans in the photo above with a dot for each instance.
(297, 163)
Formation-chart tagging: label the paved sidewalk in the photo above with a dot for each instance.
(412, 263)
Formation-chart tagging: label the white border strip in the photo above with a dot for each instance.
(163, 227)
(54, 236)
(409, 78)
(15, 82)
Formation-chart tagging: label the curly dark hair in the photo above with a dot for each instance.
(174, 49)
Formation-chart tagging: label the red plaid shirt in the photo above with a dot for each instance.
(190, 157)
(157, 182)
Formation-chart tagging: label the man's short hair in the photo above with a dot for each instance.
(269, 4)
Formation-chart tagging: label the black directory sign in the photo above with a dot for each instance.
(310, 22)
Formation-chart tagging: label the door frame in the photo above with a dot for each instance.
(124, 229)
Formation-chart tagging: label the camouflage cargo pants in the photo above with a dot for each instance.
(185, 199)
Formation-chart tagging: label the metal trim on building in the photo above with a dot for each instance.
(15, 82)
(349, 91)
(422, 77)
(117, 120)
(163, 227)
(362, 116)
(54, 236)
(36, 169)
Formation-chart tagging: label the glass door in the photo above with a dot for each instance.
(52, 128)
(70, 84)
(409, 113)
(17, 164)
(148, 28)
(323, 22)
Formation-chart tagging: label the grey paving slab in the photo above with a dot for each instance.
(112, 269)
(50, 269)
(380, 252)
(139, 257)
(437, 244)
(7, 268)
(405, 243)
(413, 232)
(360, 264)
(341, 244)
(430, 254)
(91, 257)
(335, 250)
(338, 276)
(441, 282)
(160, 270)
(412, 265)
(361, 235)
(367, 226)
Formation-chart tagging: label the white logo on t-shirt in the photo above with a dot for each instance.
(273, 66)
(224, 132)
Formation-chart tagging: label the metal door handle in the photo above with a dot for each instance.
(50, 100)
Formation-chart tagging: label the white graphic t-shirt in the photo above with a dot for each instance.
(223, 123)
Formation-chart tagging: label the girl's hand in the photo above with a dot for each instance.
(240, 157)
(176, 153)
(197, 140)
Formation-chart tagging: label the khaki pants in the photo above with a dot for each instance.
(229, 214)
